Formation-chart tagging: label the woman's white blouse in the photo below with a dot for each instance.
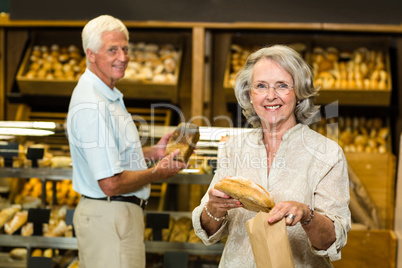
(307, 168)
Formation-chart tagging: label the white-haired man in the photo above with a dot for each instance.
(109, 163)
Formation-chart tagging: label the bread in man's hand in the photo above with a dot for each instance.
(253, 196)
(185, 137)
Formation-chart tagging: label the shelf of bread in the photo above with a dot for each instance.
(357, 134)
(71, 243)
(54, 61)
(353, 70)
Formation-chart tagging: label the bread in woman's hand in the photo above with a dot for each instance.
(253, 196)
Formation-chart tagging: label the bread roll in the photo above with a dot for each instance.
(252, 195)
(37, 253)
(18, 253)
(185, 137)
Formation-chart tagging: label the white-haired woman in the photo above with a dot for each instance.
(305, 172)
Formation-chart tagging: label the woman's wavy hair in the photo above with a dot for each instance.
(291, 61)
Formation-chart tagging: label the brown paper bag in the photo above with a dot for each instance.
(269, 242)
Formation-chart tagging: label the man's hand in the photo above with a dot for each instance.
(168, 166)
(157, 151)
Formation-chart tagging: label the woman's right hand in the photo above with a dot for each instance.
(215, 209)
(219, 203)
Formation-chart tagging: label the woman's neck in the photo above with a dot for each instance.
(272, 137)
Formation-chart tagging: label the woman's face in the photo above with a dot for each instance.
(275, 111)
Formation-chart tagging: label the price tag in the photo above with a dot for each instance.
(175, 259)
(39, 262)
(157, 221)
(8, 151)
(38, 216)
(69, 218)
(34, 154)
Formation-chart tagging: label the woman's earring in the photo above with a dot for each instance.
(298, 102)
(251, 101)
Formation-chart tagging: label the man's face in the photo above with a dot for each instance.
(110, 63)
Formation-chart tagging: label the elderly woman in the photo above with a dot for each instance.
(305, 172)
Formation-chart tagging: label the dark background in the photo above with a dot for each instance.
(341, 11)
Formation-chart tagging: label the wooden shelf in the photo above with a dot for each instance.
(71, 243)
(381, 28)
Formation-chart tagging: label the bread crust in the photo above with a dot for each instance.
(185, 137)
(253, 196)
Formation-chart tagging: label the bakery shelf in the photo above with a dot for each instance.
(71, 243)
(38, 241)
(62, 174)
(173, 214)
(181, 178)
(358, 97)
(44, 173)
(191, 248)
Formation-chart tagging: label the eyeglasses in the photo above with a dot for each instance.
(261, 88)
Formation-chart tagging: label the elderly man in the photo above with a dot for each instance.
(109, 163)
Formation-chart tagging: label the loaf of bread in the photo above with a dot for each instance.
(57, 230)
(27, 229)
(253, 196)
(185, 137)
(181, 230)
(19, 219)
(8, 213)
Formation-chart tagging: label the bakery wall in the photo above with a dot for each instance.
(342, 11)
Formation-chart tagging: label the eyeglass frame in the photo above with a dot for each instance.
(266, 89)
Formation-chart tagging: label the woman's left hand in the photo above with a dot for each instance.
(293, 211)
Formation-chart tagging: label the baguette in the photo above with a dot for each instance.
(253, 196)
